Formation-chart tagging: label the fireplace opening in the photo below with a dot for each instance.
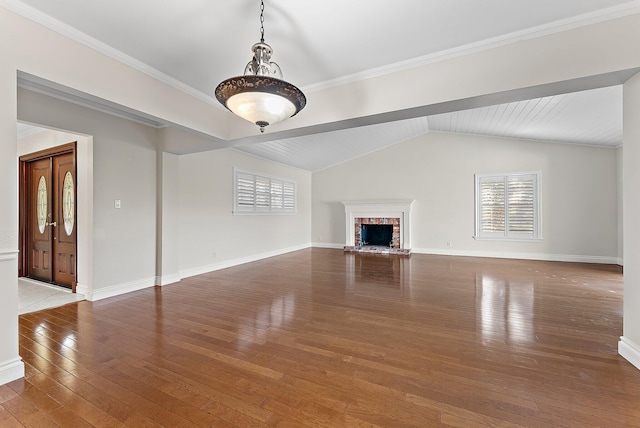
(377, 235)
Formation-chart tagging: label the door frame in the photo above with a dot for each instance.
(23, 194)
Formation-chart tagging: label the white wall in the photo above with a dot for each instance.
(620, 195)
(579, 201)
(11, 366)
(45, 139)
(168, 242)
(208, 226)
(629, 345)
(124, 167)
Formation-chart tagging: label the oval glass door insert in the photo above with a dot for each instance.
(41, 204)
(68, 203)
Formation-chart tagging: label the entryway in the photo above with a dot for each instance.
(34, 296)
(47, 202)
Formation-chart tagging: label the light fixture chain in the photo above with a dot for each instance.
(262, 21)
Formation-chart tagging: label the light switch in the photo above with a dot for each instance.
(117, 203)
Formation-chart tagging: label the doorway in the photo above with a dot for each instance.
(48, 237)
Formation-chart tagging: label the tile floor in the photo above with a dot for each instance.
(36, 296)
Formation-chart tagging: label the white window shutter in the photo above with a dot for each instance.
(507, 206)
(259, 194)
(245, 192)
(521, 203)
(263, 193)
(277, 200)
(289, 196)
(492, 203)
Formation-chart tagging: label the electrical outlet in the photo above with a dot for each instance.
(117, 204)
(449, 244)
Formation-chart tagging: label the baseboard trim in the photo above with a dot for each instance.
(82, 289)
(167, 279)
(327, 245)
(629, 351)
(501, 255)
(11, 370)
(186, 273)
(520, 256)
(116, 290)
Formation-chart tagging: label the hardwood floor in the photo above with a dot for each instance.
(327, 339)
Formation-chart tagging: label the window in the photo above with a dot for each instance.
(260, 194)
(507, 206)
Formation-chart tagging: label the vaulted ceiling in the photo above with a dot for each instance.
(195, 44)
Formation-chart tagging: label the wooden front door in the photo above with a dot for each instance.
(48, 216)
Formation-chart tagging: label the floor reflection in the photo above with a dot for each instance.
(379, 269)
(159, 321)
(277, 314)
(505, 310)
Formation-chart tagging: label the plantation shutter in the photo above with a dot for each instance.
(263, 193)
(255, 193)
(507, 206)
(492, 206)
(289, 196)
(277, 199)
(521, 204)
(245, 192)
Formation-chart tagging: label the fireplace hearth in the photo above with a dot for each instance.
(380, 227)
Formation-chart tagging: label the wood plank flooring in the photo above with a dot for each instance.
(324, 338)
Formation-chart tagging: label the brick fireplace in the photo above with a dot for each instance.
(393, 222)
(396, 213)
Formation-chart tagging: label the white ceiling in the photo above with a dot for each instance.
(590, 118)
(195, 44)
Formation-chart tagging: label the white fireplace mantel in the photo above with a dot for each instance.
(395, 208)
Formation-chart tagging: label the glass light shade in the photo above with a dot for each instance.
(262, 100)
(261, 107)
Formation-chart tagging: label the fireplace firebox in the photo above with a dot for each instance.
(377, 235)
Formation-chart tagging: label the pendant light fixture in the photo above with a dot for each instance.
(260, 95)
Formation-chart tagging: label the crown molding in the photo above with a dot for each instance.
(60, 27)
(583, 20)
(53, 24)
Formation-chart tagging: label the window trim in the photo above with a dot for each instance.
(263, 201)
(536, 236)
